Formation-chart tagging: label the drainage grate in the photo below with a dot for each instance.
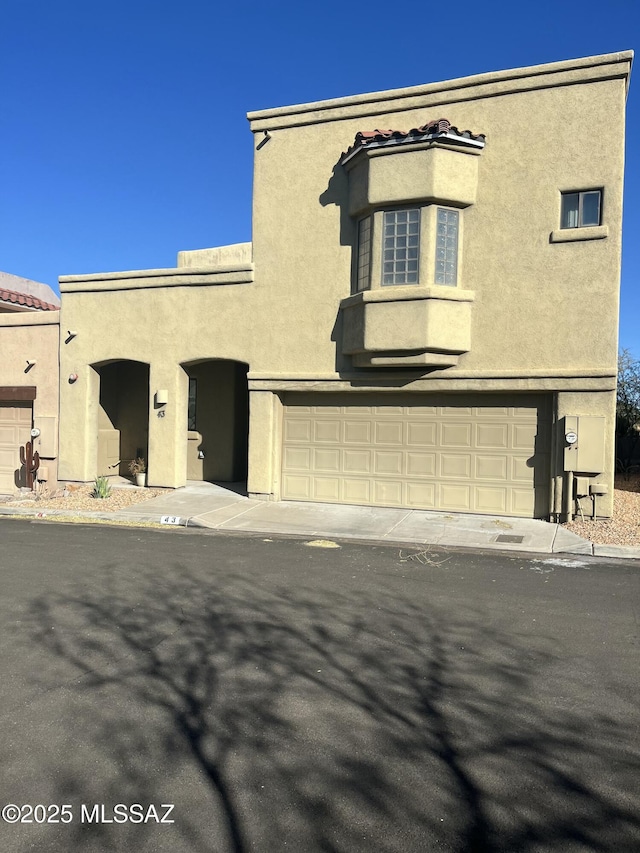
(508, 537)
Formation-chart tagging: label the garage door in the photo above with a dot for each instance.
(481, 453)
(15, 426)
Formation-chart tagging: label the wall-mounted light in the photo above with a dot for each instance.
(162, 397)
(264, 140)
(73, 377)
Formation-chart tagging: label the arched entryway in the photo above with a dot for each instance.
(123, 415)
(217, 420)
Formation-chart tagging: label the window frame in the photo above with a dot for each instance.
(565, 194)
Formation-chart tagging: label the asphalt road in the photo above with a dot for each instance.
(286, 697)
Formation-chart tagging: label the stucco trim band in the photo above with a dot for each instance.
(137, 279)
(570, 235)
(31, 318)
(411, 292)
(611, 65)
(453, 384)
(567, 373)
(9, 393)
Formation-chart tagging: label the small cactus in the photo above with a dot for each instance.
(30, 461)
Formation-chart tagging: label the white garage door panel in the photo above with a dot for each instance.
(15, 426)
(421, 495)
(356, 491)
(481, 453)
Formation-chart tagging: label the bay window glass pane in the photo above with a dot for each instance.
(401, 246)
(363, 278)
(446, 271)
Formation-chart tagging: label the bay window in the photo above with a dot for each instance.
(408, 246)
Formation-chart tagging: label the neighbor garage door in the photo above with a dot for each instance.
(465, 453)
(15, 426)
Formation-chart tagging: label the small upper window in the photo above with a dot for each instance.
(401, 246)
(581, 209)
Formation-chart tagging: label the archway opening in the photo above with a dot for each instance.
(218, 421)
(123, 416)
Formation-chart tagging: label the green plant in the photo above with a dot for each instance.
(101, 488)
(137, 466)
(628, 414)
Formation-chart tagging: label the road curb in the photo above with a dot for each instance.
(626, 552)
(580, 547)
(60, 514)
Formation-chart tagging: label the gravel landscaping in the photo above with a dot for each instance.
(79, 498)
(624, 527)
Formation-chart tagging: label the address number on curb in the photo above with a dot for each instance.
(170, 519)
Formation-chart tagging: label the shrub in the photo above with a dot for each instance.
(101, 488)
(137, 466)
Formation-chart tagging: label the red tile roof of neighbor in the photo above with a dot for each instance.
(27, 300)
(430, 129)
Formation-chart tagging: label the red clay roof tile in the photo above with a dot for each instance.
(27, 300)
(431, 128)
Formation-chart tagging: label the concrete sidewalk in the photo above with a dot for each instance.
(215, 507)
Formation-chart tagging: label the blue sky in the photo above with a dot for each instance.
(124, 138)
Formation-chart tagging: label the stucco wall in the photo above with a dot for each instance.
(34, 336)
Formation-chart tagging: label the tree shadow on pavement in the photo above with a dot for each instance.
(296, 718)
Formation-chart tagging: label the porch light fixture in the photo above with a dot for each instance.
(162, 397)
(73, 377)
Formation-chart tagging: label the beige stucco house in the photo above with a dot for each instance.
(29, 378)
(426, 316)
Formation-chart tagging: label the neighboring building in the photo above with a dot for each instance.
(424, 314)
(29, 378)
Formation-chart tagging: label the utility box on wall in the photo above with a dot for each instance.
(584, 444)
(47, 441)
